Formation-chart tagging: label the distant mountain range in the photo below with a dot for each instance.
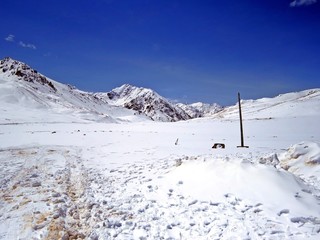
(39, 91)
(24, 93)
(148, 102)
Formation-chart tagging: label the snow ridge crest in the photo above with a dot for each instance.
(147, 101)
(27, 83)
(23, 72)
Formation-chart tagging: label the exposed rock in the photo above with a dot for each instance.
(24, 72)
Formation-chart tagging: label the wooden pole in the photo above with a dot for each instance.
(241, 126)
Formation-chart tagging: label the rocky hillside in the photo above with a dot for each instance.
(199, 109)
(23, 72)
(145, 101)
(33, 90)
(26, 90)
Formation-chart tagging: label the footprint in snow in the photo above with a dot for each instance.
(192, 202)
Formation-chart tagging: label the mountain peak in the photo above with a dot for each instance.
(146, 101)
(127, 89)
(22, 71)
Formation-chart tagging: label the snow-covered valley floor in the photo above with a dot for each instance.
(152, 180)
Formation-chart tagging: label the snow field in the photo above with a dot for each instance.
(130, 181)
(72, 166)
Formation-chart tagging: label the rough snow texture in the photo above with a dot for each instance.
(130, 181)
(303, 159)
(67, 172)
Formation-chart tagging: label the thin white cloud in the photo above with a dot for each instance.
(27, 45)
(298, 3)
(10, 38)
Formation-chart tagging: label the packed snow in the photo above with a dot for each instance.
(66, 174)
(130, 181)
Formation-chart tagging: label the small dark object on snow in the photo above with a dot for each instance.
(219, 145)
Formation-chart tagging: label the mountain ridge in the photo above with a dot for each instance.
(25, 88)
(283, 105)
(142, 102)
(34, 91)
(146, 101)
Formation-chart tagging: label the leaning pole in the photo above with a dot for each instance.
(241, 125)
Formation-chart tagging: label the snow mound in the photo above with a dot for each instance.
(306, 152)
(217, 179)
(271, 159)
(303, 159)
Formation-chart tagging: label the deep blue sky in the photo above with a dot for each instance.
(185, 50)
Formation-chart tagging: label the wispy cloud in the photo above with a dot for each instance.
(27, 45)
(298, 3)
(10, 38)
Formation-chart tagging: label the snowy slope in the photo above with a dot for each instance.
(199, 109)
(71, 168)
(145, 101)
(304, 103)
(23, 89)
(303, 159)
(24, 86)
(130, 181)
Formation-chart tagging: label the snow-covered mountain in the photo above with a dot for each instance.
(24, 89)
(22, 71)
(303, 103)
(145, 101)
(27, 88)
(158, 108)
(199, 109)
